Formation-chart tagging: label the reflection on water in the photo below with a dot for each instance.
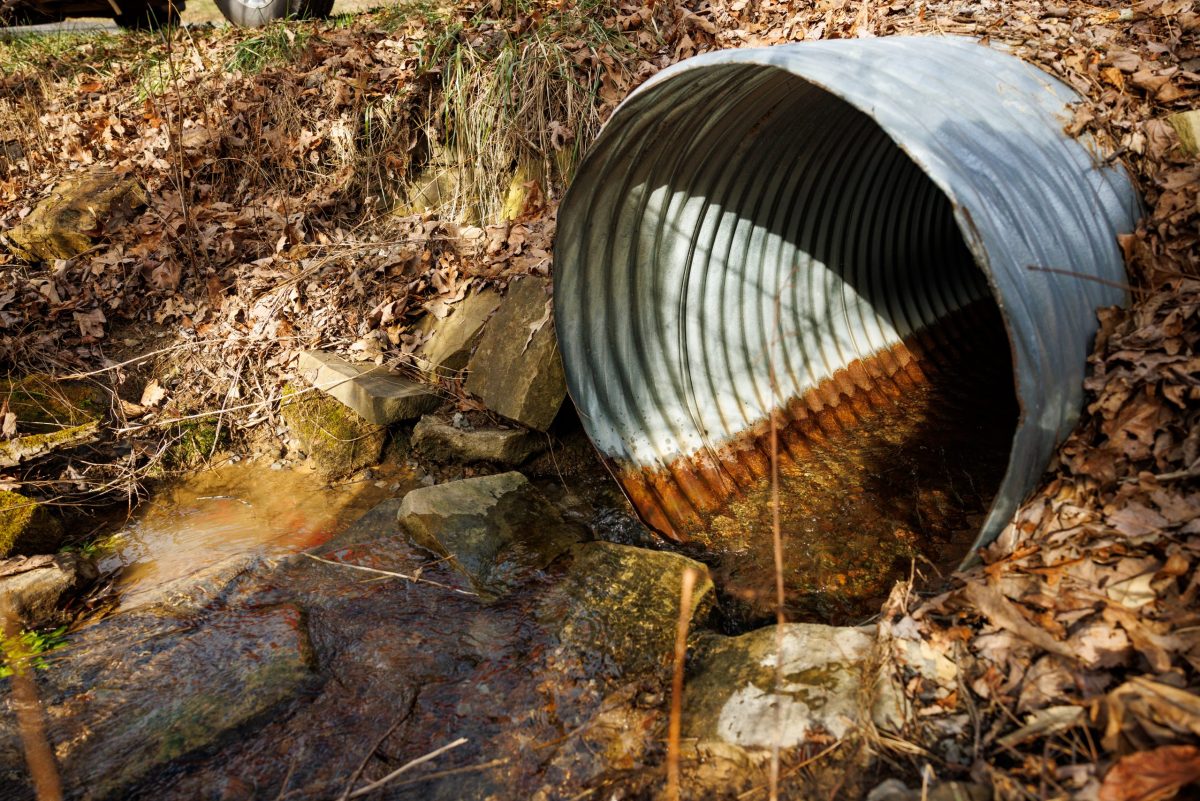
(230, 511)
(910, 480)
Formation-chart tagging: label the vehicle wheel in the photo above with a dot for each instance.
(254, 13)
(148, 15)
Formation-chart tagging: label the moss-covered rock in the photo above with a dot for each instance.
(618, 607)
(337, 440)
(26, 526)
(197, 441)
(44, 404)
(77, 212)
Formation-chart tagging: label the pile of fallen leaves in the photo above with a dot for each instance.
(1066, 665)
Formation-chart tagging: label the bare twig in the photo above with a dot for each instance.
(39, 756)
(407, 766)
(362, 765)
(393, 574)
(687, 583)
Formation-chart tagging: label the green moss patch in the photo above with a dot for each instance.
(334, 436)
(26, 526)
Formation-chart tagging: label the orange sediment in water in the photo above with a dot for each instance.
(895, 458)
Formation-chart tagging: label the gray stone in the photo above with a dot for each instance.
(517, 370)
(619, 605)
(495, 530)
(439, 441)
(892, 790)
(375, 395)
(36, 588)
(452, 338)
(132, 695)
(732, 695)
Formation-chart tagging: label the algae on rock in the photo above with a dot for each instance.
(26, 526)
(338, 440)
(621, 605)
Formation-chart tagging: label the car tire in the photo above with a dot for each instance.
(255, 13)
(148, 15)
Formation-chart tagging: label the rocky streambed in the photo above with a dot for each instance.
(476, 610)
(494, 623)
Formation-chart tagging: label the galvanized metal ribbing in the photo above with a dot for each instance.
(750, 222)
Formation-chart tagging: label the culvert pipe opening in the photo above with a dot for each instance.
(841, 288)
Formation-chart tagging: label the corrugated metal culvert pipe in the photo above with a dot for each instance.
(874, 261)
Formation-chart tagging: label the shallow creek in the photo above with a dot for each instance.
(243, 662)
(236, 510)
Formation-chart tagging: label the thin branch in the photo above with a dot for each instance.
(362, 765)
(407, 766)
(392, 574)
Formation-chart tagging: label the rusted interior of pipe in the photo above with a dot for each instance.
(761, 295)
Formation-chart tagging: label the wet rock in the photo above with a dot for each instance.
(337, 440)
(495, 530)
(618, 606)
(517, 371)
(36, 588)
(732, 698)
(440, 441)
(371, 392)
(621, 735)
(452, 338)
(78, 211)
(26, 526)
(133, 695)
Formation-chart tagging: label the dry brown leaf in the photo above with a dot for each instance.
(1152, 775)
(1004, 614)
(1142, 713)
(153, 394)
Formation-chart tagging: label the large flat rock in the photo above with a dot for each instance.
(516, 370)
(453, 337)
(371, 392)
(732, 695)
(495, 529)
(126, 700)
(618, 607)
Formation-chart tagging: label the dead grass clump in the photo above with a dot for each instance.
(518, 105)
